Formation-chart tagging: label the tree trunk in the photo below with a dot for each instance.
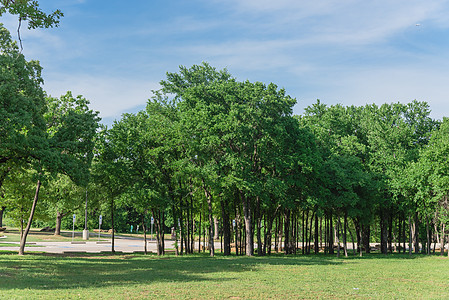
(112, 223)
(295, 232)
(199, 234)
(181, 229)
(145, 249)
(345, 224)
(353, 244)
(316, 246)
(226, 229)
(390, 233)
(159, 232)
(192, 229)
(260, 247)
(249, 240)
(268, 234)
(400, 238)
(187, 231)
(416, 233)
(216, 231)
(2, 210)
(175, 229)
(404, 235)
(309, 247)
(211, 222)
(30, 220)
(366, 233)
(21, 225)
(321, 233)
(287, 249)
(303, 246)
(162, 233)
(237, 232)
(59, 217)
(337, 236)
(326, 230)
(410, 238)
(358, 233)
(331, 234)
(383, 231)
(306, 235)
(442, 240)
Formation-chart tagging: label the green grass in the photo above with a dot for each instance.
(201, 277)
(35, 235)
(15, 245)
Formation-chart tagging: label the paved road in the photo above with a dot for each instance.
(122, 244)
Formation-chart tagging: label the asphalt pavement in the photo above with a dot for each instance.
(121, 244)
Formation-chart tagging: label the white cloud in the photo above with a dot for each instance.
(110, 96)
(342, 21)
(384, 85)
(338, 51)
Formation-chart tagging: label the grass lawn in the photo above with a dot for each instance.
(35, 235)
(200, 277)
(14, 245)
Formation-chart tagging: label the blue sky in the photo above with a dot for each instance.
(350, 52)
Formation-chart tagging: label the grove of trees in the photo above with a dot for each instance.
(213, 158)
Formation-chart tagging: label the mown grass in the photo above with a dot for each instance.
(200, 277)
(35, 235)
(15, 245)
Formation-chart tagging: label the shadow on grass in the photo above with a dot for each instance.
(46, 271)
(76, 270)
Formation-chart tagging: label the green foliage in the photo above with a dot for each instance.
(22, 127)
(29, 10)
(71, 128)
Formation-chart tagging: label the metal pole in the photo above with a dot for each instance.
(85, 214)
(152, 222)
(73, 230)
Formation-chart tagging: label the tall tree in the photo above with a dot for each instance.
(70, 130)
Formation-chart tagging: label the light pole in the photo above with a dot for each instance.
(85, 231)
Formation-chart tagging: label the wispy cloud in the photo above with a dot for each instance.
(346, 22)
(110, 95)
(340, 51)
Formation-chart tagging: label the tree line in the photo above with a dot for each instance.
(208, 146)
(211, 157)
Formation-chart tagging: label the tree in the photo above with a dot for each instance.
(22, 126)
(69, 139)
(429, 179)
(29, 11)
(229, 129)
(62, 197)
(18, 195)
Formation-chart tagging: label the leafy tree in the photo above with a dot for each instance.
(68, 139)
(428, 178)
(22, 127)
(29, 11)
(229, 129)
(62, 197)
(18, 195)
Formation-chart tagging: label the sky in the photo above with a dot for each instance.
(115, 53)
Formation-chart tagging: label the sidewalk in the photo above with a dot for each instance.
(121, 244)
